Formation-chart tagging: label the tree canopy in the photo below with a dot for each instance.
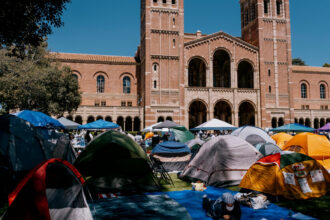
(28, 22)
(326, 65)
(298, 62)
(34, 83)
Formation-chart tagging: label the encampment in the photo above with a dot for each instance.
(222, 161)
(52, 190)
(268, 148)
(113, 162)
(281, 138)
(253, 135)
(313, 145)
(288, 174)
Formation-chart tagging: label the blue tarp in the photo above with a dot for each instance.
(293, 127)
(171, 147)
(99, 124)
(39, 119)
(192, 201)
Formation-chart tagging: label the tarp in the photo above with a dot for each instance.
(289, 174)
(313, 145)
(326, 127)
(293, 127)
(268, 148)
(99, 124)
(166, 124)
(39, 119)
(222, 161)
(253, 135)
(214, 124)
(68, 124)
(113, 162)
(52, 190)
(281, 138)
(150, 128)
(182, 134)
(172, 147)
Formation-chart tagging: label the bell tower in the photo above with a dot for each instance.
(266, 24)
(161, 57)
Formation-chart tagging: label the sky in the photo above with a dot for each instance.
(112, 27)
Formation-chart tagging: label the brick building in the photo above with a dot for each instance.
(192, 77)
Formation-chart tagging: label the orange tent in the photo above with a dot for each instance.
(313, 145)
(148, 135)
(281, 139)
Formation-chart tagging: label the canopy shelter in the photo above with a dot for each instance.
(293, 128)
(288, 174)
(166, 124)
(182, 134)
(68, 124)
(222, 161)
(39, 119)
(326, 127)
(214, 124)
(150, 128)
(253, 135)
(268, 148)
(281, 138)
(99, 124)
(313, 145)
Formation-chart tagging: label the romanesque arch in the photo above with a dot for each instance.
(221, 69)
(108, 118)
(301, 121)
(137, 123)
(223, 111)
(197, 73)
(78, 119)
(120, 122)
(169, 118)
(160, 119)
(307, 122)
(280, 122)
(245, 75)
(274, 122)
(128, 124)
(69, 117)
(316, 123)
(90, 119)
(246, 114)
(197, 113)
(99, 117)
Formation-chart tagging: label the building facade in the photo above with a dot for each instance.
(192, 77)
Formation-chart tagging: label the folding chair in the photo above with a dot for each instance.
(159, 170)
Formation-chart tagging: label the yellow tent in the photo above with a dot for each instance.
(281, 139)
(288, 174)
(313, 145)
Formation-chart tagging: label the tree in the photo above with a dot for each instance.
(298, 62)
(34, 83)
(28, 22)
(326, 65)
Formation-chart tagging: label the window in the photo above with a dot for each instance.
(173, 2)
(103, 103)
(155, 1)
(326, 107)
(279, 7)
(129, 104)
(100, 84)
(269, 73)
(97, 103)
(303, 107)
(173, 22)
(246, 16)
(155, 67)
(307, 107)
(173, 43)
(164, 1)
(75, 76)
(269, 89)
(266, 6)
(126, 85)
(303, 90)
(123, 103)
(155, 84)
(322, 91)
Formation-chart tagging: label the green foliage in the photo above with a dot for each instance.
(326, 65)
(34, 83)
(298, 62)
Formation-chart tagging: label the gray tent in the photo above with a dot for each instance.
(222, 161)
(253, 135)
(69, 125)
(166, 124)
(268, 148)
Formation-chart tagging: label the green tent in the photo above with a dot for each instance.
(182, 134)
(113, 162)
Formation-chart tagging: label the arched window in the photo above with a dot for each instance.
(108, 118)
(303, 89)
(274, 122)
(245, 75)
(197, 73)
(269, 73)
(279, 7)
(173, 22)
(155, 1)
(90, 119)
(155, 84)
(173, 43)
(126, 85)
(280, 121)
(100, 84)
(169, 118)
(160, 119)
(78, 119)
(269, 89)
(322, 91)
(266, 6)
(173, 2)
(99, 117)
(75, 77)
(164, 1)
(155, 67)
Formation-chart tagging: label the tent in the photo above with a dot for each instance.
(166, 124)
(326, 127)
(69, 125)
(293, 127)
(39, 119)
(173, 155)
(99, 124)
(194, 145)
(313, 145)
(268, 148)
(52, 190)
(281, 138)
(150, 128)
(253, 135)
(288, 174)
(113, 162)
(222, 161)
(182, 134)
(214, 124)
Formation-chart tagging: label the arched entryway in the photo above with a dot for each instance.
(128, 124)
(99, 117)
(120, 122)
(316, 123)
(169, 118)
(90, 119)
(245, 75)
(197, 73)
(137, 123)
(78, 119)
(69, 117)
(222, 111)
(221, 69)
(274, 122)
(160, 119)
(197, 114)
(280, 122)
(301, 121)
(108, 118)
(246, 114)
(307, 122)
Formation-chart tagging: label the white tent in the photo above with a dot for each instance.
(214, 124)
(149, 128)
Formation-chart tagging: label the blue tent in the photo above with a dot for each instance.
(171, 147)
(39, 119)
(293, 127)
(99, 124)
